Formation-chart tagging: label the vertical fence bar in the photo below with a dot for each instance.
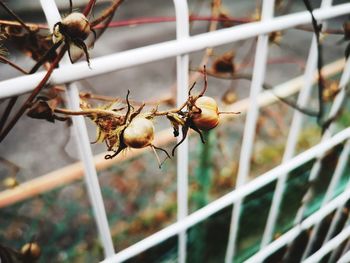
(293, 135)
(83, 144)
(182, 31)
(338, 102)
(250, 126)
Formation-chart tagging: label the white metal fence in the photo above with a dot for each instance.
(180, 48)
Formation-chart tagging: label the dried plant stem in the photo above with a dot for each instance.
(85, 112)
(32, 96)
(16, 17)
(6, 114)
(32, 26)
(163, 19)
(106, 13)
(317, 29)
(9, 62)
(89, 7)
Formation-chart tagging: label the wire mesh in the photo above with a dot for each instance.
(180, 48)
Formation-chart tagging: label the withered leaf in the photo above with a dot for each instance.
(44, 109)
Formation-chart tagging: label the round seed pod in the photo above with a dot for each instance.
(75, 26)
(31, 250)
(208, 118)
(139, 133)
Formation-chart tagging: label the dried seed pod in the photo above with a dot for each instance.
(331, 90)
(275, 37)
(31, 250)
(139, 133)
(229, 97)
(224, 63)
(74, 26)
(10, 182)
(208, 117)
(346, 27)
(73, 30)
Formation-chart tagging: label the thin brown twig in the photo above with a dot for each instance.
(105, 98)
(164, 19)
(106, 13)
(16, 17)
(87, 112)
(89, 7)
(6, 114)
(5, 60)
(32, 26)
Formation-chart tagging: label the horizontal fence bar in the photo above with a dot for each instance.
(291, 234)
(233, 196)
(164, 50)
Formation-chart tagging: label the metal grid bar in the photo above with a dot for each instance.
(238, 194)
(164, 50)
(345, 256)
(335, 221)
(334, 253)
(329, 246)
(339, 170)
(180, 48)
(182, 32)
(250, 125)
(290, 235)
(83, 144)
(293, 135)
(338, 101)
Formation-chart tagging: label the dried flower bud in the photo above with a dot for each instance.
(208, 118)
(275, 37)
(74, 26)
(10, 182)
(224, 64)
(31, 250)
(139, 133)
